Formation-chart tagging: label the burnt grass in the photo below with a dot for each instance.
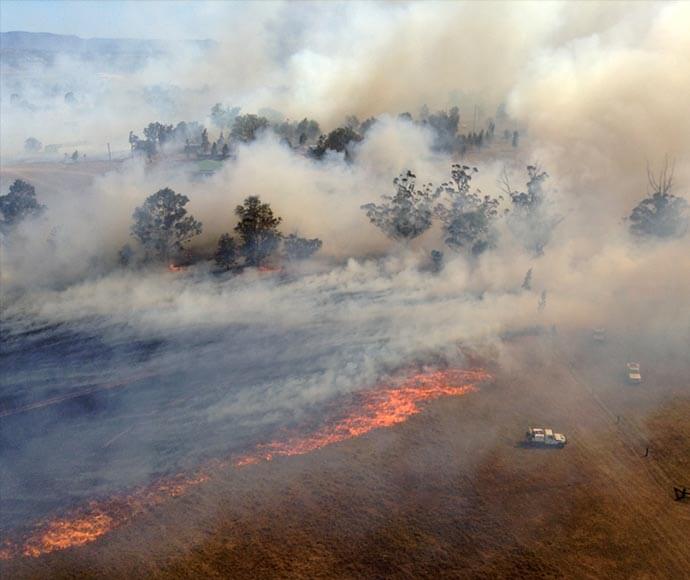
(449, 494)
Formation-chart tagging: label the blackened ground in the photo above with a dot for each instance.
(451, 492)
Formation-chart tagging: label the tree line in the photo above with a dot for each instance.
(468, 218)
(163, 228)
(306, 135)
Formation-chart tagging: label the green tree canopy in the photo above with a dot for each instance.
(162, 225)
(467, 217)
(258, 230)
(337, 140)
(297, 248)
(19, 203)
(405, 215)
(246, 128)
(226, 252)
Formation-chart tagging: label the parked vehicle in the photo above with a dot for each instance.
(599, 335)
(633, 372)
(544, 437)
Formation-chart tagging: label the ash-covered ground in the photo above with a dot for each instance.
(99, 402)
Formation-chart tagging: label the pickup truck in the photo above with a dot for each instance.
(544, 437)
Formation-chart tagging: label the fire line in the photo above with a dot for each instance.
(382, 407)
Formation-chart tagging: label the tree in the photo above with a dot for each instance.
(246, 128)
(32, 145)
(467, 217)
(223, 117)
(405, 215)
(133, 142)
(258, 230)
(661, 214)
(436, 261)
(297, 248)
(162, 224)
(157, 134)
(527, 281)
(125, 255)
(75, 156)
(226, 252)
(445, 126)
(367, 124)
(19, 204)
(205, 143)
(531, 220)
(297, 134)
(184, 132)
(226, 151)
(337, 140)
(308, 130)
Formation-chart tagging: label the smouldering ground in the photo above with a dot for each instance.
(449, 493)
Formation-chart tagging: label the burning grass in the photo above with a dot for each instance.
(385, 406)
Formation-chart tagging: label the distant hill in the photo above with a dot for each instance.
(19, 49)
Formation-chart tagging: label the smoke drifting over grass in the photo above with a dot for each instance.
(210, 362)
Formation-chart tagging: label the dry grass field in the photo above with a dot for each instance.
(451, 493)
(55, 178)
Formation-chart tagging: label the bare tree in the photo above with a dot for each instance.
(661, 214)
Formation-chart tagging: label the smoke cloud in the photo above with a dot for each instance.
(211, 362)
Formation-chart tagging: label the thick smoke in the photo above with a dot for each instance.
(597, 91)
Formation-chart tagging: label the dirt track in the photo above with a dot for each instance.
(451, 493)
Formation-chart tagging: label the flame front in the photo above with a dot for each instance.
(66, 533)
(382, 407)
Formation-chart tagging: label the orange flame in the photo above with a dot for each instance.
(380, 408)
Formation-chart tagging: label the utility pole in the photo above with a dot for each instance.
(110, 156)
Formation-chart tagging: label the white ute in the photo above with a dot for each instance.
(599, 335)
(633, 371)
(545, 437)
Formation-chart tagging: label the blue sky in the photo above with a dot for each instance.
(119, 18)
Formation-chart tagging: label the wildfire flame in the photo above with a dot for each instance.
(382, 407)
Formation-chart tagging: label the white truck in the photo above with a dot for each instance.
(599, 335)
(543, 437)
(633, 373)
